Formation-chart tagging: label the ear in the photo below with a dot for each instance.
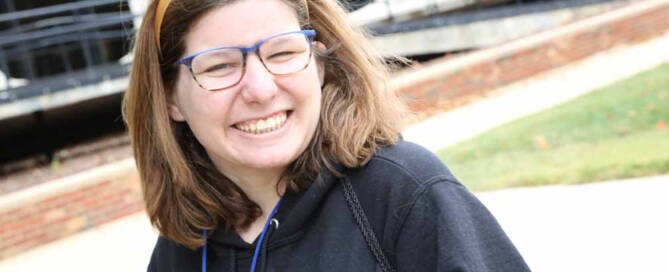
(321, 65)
(173, 107)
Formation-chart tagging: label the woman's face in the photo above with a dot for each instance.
(221, 120)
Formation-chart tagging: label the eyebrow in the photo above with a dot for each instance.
(277, 40)
(225, 52)
(313, 32)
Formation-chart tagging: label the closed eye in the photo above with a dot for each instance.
(219, 67)
(283, 54)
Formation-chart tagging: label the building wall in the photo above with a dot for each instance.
(67, 206)
(457, 81)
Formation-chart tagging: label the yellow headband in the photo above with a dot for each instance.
(162, 8)
(158, 20)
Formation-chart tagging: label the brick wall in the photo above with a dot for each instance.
(466, 78)
(92, 200)
(74, 204)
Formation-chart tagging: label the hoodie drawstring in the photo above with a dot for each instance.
(261, 239)
(273, 225)
(204, 251)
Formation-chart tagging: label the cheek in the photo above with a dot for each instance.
(196, 104)
(312, 100)
(308, 85)
(183, 80)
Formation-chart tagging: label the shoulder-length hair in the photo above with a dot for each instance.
(183, 192)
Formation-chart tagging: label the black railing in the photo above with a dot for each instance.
(48, 49)
(52, 48)
(481, 10)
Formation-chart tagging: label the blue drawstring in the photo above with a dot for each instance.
(204, 253)
(255, 254)
(262, 235)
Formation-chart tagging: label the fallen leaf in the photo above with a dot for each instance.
(543, 143)
(622, 131)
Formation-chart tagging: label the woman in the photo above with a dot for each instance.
(266, 141)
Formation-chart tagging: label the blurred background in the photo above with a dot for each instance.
(554, 112)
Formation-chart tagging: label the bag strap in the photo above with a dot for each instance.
(365, 228)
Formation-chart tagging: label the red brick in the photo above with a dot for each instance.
(10, 214)
(61, 198)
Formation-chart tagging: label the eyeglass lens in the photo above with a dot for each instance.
(280, 55)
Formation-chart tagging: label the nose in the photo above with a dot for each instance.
(257, 84)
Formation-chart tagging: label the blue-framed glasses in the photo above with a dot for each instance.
(223, 67)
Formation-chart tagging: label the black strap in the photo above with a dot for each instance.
(365, 228)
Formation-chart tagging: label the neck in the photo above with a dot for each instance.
(259, 185)
(265, 194)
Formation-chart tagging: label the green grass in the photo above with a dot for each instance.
(611, 133)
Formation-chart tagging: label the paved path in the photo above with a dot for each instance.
(124, 245)
(613, 226)
(609, 226)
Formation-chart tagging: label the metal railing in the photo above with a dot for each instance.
(455, 12)
(60, 47)
(48, 49)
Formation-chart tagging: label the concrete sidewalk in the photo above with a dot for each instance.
(613, 226)
(122, 245)
(608, 226)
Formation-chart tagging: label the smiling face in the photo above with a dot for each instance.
(262, 124)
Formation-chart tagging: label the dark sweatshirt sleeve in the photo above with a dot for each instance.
(156, 257)
(448, 229)
(168, 256)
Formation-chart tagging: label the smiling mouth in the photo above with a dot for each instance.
(265, 125)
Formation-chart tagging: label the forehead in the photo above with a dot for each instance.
(240, 23)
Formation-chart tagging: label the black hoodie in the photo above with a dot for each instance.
(424, 219)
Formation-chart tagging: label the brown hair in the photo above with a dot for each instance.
(183, 192)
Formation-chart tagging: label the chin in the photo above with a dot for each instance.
(270, 161)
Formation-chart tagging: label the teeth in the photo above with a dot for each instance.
(263, 126)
